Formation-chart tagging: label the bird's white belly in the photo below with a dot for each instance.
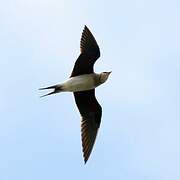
(79, 83)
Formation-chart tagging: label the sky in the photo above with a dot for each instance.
(139, 134)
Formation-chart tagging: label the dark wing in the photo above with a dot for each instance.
(91, 113)
(89, 54)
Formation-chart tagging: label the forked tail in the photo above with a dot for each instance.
(57, 89)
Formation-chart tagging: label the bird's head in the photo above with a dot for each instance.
(104, 76)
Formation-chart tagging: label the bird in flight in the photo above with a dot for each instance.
(82, 83)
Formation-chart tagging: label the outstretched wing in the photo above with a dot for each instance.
(89, 54)
(91, 113)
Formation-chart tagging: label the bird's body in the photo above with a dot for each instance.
(82, 83)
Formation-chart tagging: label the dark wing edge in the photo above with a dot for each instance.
(89, 54)
(91, 113)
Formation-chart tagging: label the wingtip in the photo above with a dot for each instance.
(85, 161)
(86, 27)
(86, 157)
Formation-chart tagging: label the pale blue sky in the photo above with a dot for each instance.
(139, 137)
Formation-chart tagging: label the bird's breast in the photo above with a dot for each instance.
(80, 83)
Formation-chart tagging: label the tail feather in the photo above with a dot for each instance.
(50, 87)
(47, 94)
(57, 89)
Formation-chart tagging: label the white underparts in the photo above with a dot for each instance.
(81, 83)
